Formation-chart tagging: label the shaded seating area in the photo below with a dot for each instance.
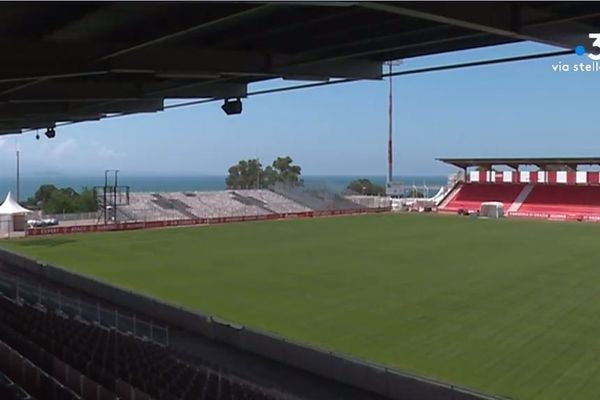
(45, 355)
(563, 199)
(556, 188)
(9, 390)
(471, 195)
(316, 200)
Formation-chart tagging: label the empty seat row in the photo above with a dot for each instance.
(562, 199)
(90, 358)
(9, 390)
(471, 195)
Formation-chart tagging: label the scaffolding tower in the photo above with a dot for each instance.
(111, 197)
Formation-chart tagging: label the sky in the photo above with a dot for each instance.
(508, 110)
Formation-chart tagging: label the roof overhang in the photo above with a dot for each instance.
(81, 61)
(542, 163)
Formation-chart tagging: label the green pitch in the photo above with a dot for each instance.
(507, 307)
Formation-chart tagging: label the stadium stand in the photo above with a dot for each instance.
(569, 200)
(275, 201)
(470, 195)
(316, 200)
(55, 357)
(558, 190)
(142, 207)
(249, 200)
(229, 203)
(9, 390)
(173, 204)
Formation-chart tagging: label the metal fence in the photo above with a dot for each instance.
(73, 216)
(56, 301)
(371, 201)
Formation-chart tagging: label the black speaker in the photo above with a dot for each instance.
(50, 133)
(232, 106)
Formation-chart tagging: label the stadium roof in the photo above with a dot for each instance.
(80, 61)
(542, 163)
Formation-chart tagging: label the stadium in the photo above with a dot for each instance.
(486, 290)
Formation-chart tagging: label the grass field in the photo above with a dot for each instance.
(507, 307)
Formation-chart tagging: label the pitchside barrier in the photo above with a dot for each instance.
(74, 307)
(126, 226)
(391, 383)
(555, 216)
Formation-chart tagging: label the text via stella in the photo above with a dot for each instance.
(580, 50)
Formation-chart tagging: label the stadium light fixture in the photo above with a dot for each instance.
(232, 106)
(50, 133)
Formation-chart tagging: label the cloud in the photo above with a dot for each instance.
(105, 152)
(64, 149)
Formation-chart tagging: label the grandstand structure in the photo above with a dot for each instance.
(125, 58)
(89, 61)
(47, 354)
(163, 206)
(213, 204)
(167, 209)
(558, 188)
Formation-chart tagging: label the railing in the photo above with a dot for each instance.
(55, 300)
(72, 216)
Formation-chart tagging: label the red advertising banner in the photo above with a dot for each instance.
(126, 226)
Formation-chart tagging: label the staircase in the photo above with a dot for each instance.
(173, 204)
(251, 201)
(514, 207)
(450, 195)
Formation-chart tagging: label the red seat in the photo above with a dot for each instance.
(567, 200)
(471, 195)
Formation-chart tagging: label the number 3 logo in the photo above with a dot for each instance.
(595, 57)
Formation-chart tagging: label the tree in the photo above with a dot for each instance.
(42, 195)
(59, 202)
(268, 177)
(245, 175)
(249, 174)
(286, 172)
(87, 201)
(53, 200)
(365, 186)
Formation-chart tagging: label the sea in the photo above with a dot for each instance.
(331, 183)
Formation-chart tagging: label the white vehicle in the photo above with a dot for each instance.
(49, 221)
(38, 223)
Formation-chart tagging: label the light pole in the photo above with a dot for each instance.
(115, 197)
(390, 65)
(104, 195)
(18, 176)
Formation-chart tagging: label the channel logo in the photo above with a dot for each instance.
(580, 66)
(580, 49)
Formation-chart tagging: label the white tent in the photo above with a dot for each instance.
(11, 207)
(12, 215)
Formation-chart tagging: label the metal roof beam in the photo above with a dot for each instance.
(245, 63)
(228, 19)
(86, 91)
(175, 62)
(32, 109)
(504, 19)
